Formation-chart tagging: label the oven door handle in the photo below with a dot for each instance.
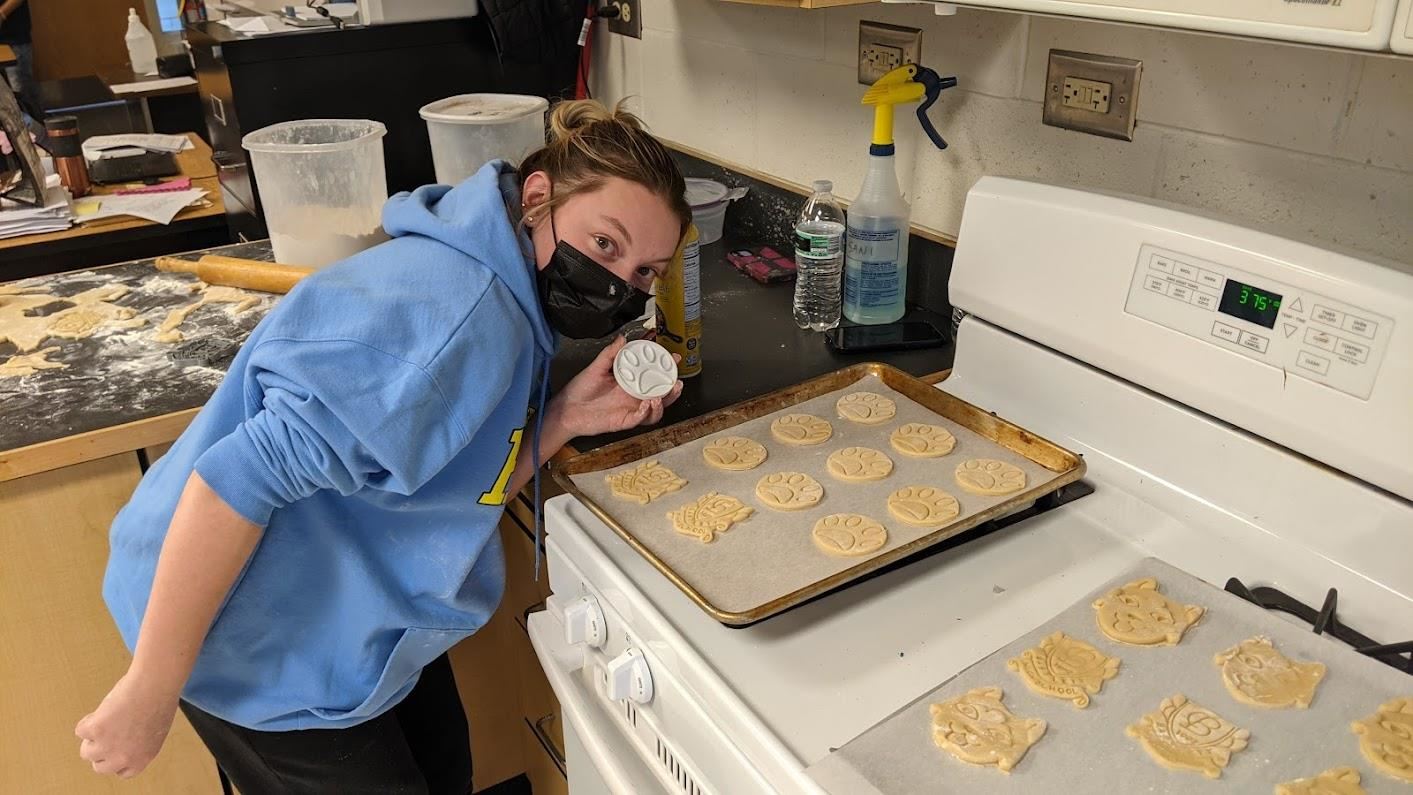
(541, 734)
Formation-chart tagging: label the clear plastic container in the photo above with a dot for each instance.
(468, 130)
(322, 187)
(709, 200)
(819, 259)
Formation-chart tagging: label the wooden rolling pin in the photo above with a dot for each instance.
(267, 277)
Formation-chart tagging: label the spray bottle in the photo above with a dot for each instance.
(876, 257)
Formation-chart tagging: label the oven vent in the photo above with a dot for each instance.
(677, 771)
(630, 712)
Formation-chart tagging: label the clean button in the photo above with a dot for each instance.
(1222, 331)
(1313, 363)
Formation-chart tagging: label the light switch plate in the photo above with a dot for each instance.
(629, 21)
(884, 47)
(1092, 93)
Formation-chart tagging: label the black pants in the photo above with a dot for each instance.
(420, 746)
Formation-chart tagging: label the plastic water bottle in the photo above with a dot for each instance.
(819, 259)
(142, 50)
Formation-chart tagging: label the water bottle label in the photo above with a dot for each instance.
(817, 246)
(871, 278)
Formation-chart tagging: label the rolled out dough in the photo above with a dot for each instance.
(923, 506)
(708, 515)
(1182, 735)
(866, 408)
(978, 729)
(1386, 738)
(789, 491)
(1137, 614)
(169, 331)
(849, 535)
(645, 482)
(1065, 667)
(734, 453)
(858, 464)
(801, 429)
(1256, 674)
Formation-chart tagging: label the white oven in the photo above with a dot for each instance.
(1402, 40)
(1358, 24)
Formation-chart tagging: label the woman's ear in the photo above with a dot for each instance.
(535, 192)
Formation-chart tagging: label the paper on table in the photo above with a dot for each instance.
(255, 26)
(104, 146)
(54, 215)
(159, 208)
(152, 85)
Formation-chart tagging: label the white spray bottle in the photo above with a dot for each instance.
(876, 254)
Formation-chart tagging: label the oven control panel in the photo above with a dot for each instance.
(1306, 334)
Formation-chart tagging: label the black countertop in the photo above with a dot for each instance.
(750, 346)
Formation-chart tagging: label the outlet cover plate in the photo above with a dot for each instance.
(884, 47)
(1088, 82)
(629, 21)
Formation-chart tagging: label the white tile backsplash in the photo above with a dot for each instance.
(1315, 143)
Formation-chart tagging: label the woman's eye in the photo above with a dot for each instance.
(647, 273)
(603, 243)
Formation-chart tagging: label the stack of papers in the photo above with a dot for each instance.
(159, 208)
(255, 26)
(100, 147)
(55, 215)
(152, 85)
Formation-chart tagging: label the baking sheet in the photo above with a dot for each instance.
(1087, 751)
(772, 554)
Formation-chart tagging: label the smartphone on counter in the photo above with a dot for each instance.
(901, 336)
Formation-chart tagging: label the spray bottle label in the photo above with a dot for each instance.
(871, 276)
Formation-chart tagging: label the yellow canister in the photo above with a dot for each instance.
(679, 305)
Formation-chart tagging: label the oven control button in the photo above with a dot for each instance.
(629, 677)
(583, 622)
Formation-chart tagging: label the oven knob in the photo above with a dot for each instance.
(629, 677)
(583, 622)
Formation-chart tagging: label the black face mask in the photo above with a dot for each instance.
(581, 299)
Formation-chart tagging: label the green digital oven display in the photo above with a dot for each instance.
(1250, 303)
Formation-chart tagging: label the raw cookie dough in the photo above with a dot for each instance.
(1256, 674)
(1386, 738)
(923, 506)
(866, 408)
(920, 440)
(710, 514)
(91, 310)
(789, 491)
(213, 294)
(22, 364)
(734, 453)
(989, 477)
(1138, 615)
(978, 729)
(1182, 735)
(1065, 667)
(645, 482)
(801, 429)
(858, 464)
(849, 535)
(1335, 781)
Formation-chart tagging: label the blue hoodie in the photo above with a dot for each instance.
(370, 424)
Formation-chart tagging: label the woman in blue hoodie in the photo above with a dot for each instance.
(292, 572)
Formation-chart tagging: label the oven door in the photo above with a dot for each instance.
(1359, 24)
(599, 758)
(1402, 40)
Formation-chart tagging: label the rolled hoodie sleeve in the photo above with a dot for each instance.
(339, 415)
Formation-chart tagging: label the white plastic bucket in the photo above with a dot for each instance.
(709, 200)
(322, 187)
(468, 130)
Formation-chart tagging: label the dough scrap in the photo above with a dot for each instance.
(858, 464)
(212, 294)
(866, 408)
(920, 440)
(789, 491)
(923, 506)
(1256, 674)
(1137, 614)
(1335, 781)
(849, 535)
(1182, 735)
(734, 453)
(1386, 738)
(978, 729)
(708, 515)
(1065, 667)
(801, 429)
(645, 482)
(989, 477)
(91, 311)
(23, 364)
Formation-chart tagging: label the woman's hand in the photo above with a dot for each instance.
(594, 403)
(127, 730)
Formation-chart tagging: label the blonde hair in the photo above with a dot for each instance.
(588, 143)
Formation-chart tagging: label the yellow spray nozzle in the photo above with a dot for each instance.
(891, 89)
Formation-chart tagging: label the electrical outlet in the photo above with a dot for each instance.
(884, 47)
(1092, 93)
(629, 20)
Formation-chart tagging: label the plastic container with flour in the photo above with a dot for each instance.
(322, 186)
(468, 130)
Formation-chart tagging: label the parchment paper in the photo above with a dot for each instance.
(1087, 751)
(772, 554)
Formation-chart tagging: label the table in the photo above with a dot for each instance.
(117, 239)
(7, 56)
(176, 96)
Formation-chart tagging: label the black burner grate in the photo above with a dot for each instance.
(1324, 622)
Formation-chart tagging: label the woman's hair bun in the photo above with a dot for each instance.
(576, 117)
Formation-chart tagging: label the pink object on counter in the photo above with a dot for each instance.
(162, 187)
